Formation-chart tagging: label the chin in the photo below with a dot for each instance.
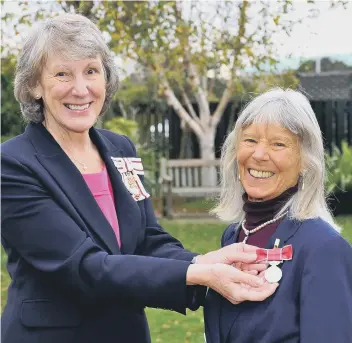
(262, 196)
(80, 126)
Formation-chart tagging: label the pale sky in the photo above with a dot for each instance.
(327, 35)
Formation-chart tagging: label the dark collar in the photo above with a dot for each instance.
(258, 213)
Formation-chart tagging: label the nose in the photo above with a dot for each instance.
(260, 152)
(80, 87)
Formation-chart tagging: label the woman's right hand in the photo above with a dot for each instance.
(233, 284)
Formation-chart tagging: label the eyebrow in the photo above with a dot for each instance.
(68, 67)
(276, 137)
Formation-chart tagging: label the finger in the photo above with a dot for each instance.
(237, 265)
(253, 266)
(259, 294)
(234, 256)
(262, 273)
(249, 248)
(252, 272)
(239, 276)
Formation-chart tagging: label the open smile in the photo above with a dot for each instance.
(75, 107)
(260, 174)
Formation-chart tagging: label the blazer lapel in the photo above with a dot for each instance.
(71, 182)
(286, 229)
(127, 209)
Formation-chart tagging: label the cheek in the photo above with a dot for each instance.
(99, 88)
(243, 154)
(58, 91)
(288, 163)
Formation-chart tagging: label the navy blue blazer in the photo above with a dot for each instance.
(313, 303)
(71, 283)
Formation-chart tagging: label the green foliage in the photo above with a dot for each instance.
(11, 118)
(122, 126)
(339, 166)
(139, 87)
(5, 138)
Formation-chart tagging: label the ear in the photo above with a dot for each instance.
(303, 165)
(37, 91)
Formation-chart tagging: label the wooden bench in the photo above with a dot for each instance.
(186, 178)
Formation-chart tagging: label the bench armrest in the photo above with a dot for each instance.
(165, 179)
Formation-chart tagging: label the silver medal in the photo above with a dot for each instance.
(273, 274)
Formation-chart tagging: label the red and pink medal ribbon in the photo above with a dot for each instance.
(275, 254)
(274, 257)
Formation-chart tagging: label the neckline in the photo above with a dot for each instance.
(94, 174)
(258, 213)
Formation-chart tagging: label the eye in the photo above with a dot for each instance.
(92, 71)
(279, 144)
(61, 74)
(250, 140)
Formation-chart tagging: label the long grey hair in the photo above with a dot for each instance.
(291, 110)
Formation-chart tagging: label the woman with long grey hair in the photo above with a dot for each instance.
(273, 175)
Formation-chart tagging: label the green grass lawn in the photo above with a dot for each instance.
(198, 235)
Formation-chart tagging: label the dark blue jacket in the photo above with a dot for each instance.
(313, 303)
(70, 281)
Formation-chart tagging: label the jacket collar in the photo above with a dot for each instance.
(286, 229)
(71, 182)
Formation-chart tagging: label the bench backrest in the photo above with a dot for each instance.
(187, 173)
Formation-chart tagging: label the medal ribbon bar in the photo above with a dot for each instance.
(276, 254)
(126, 167)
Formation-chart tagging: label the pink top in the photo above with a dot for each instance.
(100, 186)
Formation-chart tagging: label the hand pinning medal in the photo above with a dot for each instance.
(274, 257)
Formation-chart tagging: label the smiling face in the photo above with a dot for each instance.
(73, 92)
(268, 158)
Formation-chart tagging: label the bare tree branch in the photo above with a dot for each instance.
(226, 96)
(189, 105)
(239, 44)
(199, 94)
(182, 113)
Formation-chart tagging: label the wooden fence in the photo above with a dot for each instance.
(163, 133)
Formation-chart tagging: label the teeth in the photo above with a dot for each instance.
(260, 174)
(77, 107)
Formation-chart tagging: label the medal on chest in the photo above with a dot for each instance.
(274, 257)
(273, 273)
(129, 169)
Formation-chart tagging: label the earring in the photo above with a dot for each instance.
(302, 180)
(239, 176)
(37, 96)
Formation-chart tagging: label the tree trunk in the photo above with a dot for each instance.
(207, 152)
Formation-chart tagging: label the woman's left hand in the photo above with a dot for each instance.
(237, 253)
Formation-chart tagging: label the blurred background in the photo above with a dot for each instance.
(186, 70)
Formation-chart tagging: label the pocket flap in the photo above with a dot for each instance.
(47, 313)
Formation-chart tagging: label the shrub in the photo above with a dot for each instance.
(339, 168)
